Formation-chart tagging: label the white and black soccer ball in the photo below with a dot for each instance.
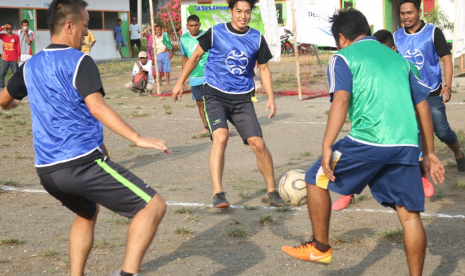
(293, 188)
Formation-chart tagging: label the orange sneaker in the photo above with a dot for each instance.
(308, 252)
(342, 202)
(428, 187)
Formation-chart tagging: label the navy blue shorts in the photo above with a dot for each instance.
(390, 184)
(197, 92)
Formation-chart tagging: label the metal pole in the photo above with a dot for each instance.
(321, 67)
(139, 15)
(154, 46)
(172, 25)
(296, 51)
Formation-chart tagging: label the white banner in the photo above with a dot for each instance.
(458, 48)
(268, 11)
(312, 23)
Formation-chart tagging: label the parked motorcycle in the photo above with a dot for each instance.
(288, 47)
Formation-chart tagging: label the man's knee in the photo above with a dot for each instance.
(128, 85)
(257, 144)
(158, 206)
(220, 136)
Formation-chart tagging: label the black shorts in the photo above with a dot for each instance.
(135, 42)
(240, 113)
(79, 188)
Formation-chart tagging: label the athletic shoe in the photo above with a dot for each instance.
(219, 200)
(118, 273)
(308, 252)
(461, 164)
(254, 99)
(342, 202)
(275, 199)
(428, 187)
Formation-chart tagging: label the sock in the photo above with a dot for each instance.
(322, 247)
(125, 273)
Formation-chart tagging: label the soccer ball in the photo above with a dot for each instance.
(292, 187)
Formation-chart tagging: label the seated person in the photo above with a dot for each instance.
(146, 69)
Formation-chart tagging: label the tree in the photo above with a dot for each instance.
(439, 18)
(162, 18)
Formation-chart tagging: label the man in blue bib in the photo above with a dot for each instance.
(68, 109)
(423, 45)
(233, 50)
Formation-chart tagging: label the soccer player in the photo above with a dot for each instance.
(424, 44)
(233, 49)
(189, 43)
(385, 38)
(68, 109)
(26, 37)
(377, 88)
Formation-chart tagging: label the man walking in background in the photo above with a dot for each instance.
(134, 36)
(26, 37)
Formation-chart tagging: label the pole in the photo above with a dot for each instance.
(172, 25)
(154, 43)
(139, 14)
(321, 67)
(296, 51)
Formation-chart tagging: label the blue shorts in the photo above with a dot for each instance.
(164, 62)
(390, 184)
(121, 43)
(197, 92)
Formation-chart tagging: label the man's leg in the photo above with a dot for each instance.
(81, 239)
(141, 232)
(168, 78)
(414, 239)
(264, 161)
(202, 115)
(14, 67)
(319, 210)
(220, 141)
(132, 48)
(3, 71)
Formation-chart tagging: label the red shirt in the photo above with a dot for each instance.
(11, 47)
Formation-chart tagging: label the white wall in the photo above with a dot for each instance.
(105, 46)
(449, 8)
(373, 11)
(119, 5)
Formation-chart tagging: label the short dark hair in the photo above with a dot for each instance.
(157, 26)
(11, 24)
(416, 3)
(60, 11)
(119, 19)
(193, 17)
(385, 37)
(351, 23)
(24, 21)
(233, 3)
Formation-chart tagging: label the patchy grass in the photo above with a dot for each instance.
(327, 112)
(249, 208)
(9, 183)
(461, 137)
(138, 114)
(437, 197)
(449, 164)
(182, 210)
(305, 154)
(234, 222)
(243, 195)
(190, 105)
(167, 108)
(49, 253)
(393, 235)
(290, 163)
(266, 219)
(363, 198)
(458, 185)
(193, 218)
(3, 261)
(132, 145)
(283, 209)
(200, 135)
(237, 232)
(11, 241)
(102, 243)
(182, 230)
(119, 220)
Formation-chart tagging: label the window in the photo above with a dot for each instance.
(110, 20)
(95, 20)
(281, 12)
(42, 19)
(10, 15)
(346, 4)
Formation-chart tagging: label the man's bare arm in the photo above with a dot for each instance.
(448, 71)
(186, 71)
(265, 75)
(6, 101)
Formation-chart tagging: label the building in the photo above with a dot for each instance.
(103, 16)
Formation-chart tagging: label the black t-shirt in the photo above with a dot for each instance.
(441, 46)
(87, 82)
(263, 56)
(87, 78)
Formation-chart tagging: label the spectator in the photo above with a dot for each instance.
(118, 34)
(11, 52)
(89, 41)
(146, 69)
(26, 37)
(134, 35)
(164, 53)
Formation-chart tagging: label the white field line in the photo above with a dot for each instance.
(188, 204)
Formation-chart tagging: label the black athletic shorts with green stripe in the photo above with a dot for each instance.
(241, 113)
(80, 187)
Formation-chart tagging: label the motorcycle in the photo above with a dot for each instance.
(288, 47)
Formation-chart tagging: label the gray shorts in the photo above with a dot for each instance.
(197, 92)
(240, 113)
(80, 187)
(123, 43)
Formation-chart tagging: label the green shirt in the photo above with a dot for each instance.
(188, 46)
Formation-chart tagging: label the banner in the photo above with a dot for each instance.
(459, 29)
(212, 14)
(268, 9)
(312, 24)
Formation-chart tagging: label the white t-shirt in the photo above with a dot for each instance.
(135, 31)
(147, 67)
(160, 46)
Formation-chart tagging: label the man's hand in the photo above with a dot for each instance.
(142, 72)
(177, 91)
(327, 163)
(152, 143)
(433, 168)
(7, 26)
(171, 55)
(270, 104)
(446, 90)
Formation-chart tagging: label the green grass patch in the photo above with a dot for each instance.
(393, 235)
(138, 114)
(102, 243)
(449, 164)
(290, 163)
(363, 198)
(182, 230)
(283, 209)
(266, 219)
(9, 183)
(200, 135)
(305, 154)
(458, 185)
(190, 105)
(234, 222)
(119, 220)
(193, 218)
(243, 195)
(49, 253)
(11, 241)
(237, 232)
(182, 210)
(249, 208)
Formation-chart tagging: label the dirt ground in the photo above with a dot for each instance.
(194, 239)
